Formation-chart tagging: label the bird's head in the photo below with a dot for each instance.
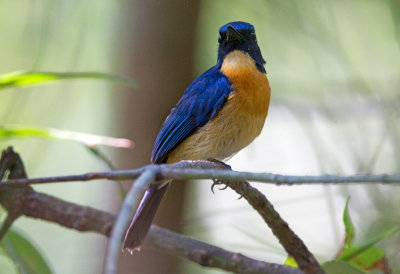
(239, 36)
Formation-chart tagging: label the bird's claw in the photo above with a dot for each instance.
(215, 182)
(225, 187)
(218, 182)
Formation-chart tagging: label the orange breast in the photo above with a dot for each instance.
(251, 87)
(241, 119)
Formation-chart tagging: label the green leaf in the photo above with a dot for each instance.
(365, 256)
(24, 254)
(348, 225)
(290, 261)
(29, 78)
(369, 258)
(353, 251)
(340, 267)
(11, 131)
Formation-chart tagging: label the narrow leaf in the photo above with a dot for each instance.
(353, 251)
(11, 131)
(28, 78)
(364, 256)
(348, 224)
(24, 254)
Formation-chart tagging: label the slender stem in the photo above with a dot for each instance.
(125, 215)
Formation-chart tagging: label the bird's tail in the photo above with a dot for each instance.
(144, 216)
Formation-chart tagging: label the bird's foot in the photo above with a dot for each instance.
(218, 182)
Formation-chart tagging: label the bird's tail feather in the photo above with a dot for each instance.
(144, 216)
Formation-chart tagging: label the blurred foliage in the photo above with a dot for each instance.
(29, 78)
(41, 40)
(334, 66)
(25, 255)
(90, 140)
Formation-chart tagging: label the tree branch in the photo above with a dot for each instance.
(25, 201)
(208, 255)
(87, 219)
(293, 245)
(290, 241)
(178, 172)
(81, 218)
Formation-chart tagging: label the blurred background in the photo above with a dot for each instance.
(334, 70)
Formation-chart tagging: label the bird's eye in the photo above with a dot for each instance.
(252, 36)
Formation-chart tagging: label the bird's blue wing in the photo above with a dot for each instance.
(199, 103)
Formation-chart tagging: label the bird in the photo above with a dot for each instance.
(220, 113)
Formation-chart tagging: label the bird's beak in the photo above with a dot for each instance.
(232, 34)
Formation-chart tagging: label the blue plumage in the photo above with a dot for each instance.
(190, 132)
(199, 103)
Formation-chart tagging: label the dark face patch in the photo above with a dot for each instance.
(239, 36)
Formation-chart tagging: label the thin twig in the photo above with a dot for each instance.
(176, 171)
(128, 208)
(109, 175)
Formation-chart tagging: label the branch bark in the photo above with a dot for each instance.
(208, 255)
(28, 202)
(87, 219)
(236, 180)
